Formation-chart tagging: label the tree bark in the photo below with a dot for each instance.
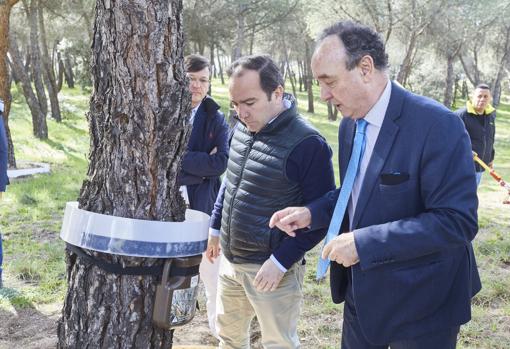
(36, 57)
(39, 126)
(48, 72)
(5, 93)
(139, 129)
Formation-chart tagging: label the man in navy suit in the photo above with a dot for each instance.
(402, 260)
(204, 162)
(4, 180)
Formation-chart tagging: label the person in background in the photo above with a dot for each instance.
(204, 162)
(4, 180)
(479, 117)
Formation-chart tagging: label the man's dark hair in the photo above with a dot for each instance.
(483, 87)
(194, 63)
(269, 74)
(359, 41)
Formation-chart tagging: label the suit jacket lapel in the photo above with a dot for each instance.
(385, 140)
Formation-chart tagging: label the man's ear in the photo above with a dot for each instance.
(278, 92)
(366, 66)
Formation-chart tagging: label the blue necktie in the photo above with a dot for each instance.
(345, 193)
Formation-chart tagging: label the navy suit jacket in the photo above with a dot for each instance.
(4, 180)
(201, 171)
(413, 224)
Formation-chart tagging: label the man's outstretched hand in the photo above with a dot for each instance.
(290, 219)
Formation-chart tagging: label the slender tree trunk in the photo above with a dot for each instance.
(309, 77)
(237, 48)
(60, 72)
(332, 112)
(211, 59)
(220, 65)
(449, 82)
(455, 92)
(39, 127)
(36, 57)
(252, 39)
(68, 71)
(286, 63)
(406, 65)
(48, 72)
(300, 73)
(138, 124)
(5, 93)
(505, 59)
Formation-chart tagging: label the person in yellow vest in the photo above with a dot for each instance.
(479, 116)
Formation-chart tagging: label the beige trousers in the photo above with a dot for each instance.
(277, 312)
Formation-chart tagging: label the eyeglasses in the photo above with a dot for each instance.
(201, 81)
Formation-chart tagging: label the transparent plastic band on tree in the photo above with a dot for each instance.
(135, 237)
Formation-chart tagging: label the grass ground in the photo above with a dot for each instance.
(34, 267)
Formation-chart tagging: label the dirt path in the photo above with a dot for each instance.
(36, 328)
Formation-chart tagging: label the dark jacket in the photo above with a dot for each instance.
(481, 130)
(200, 170)
(257, 185)
(413, 224)
(4, 180)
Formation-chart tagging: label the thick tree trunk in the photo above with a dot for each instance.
(5, 93)
(36, 57)
(39, 126)
(138, 125)
(48, 73)
(68, 71)
(449, 82)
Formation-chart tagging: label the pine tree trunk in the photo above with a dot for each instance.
(138, 124)
(36, 58)
(48, 73)
(39, 126)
